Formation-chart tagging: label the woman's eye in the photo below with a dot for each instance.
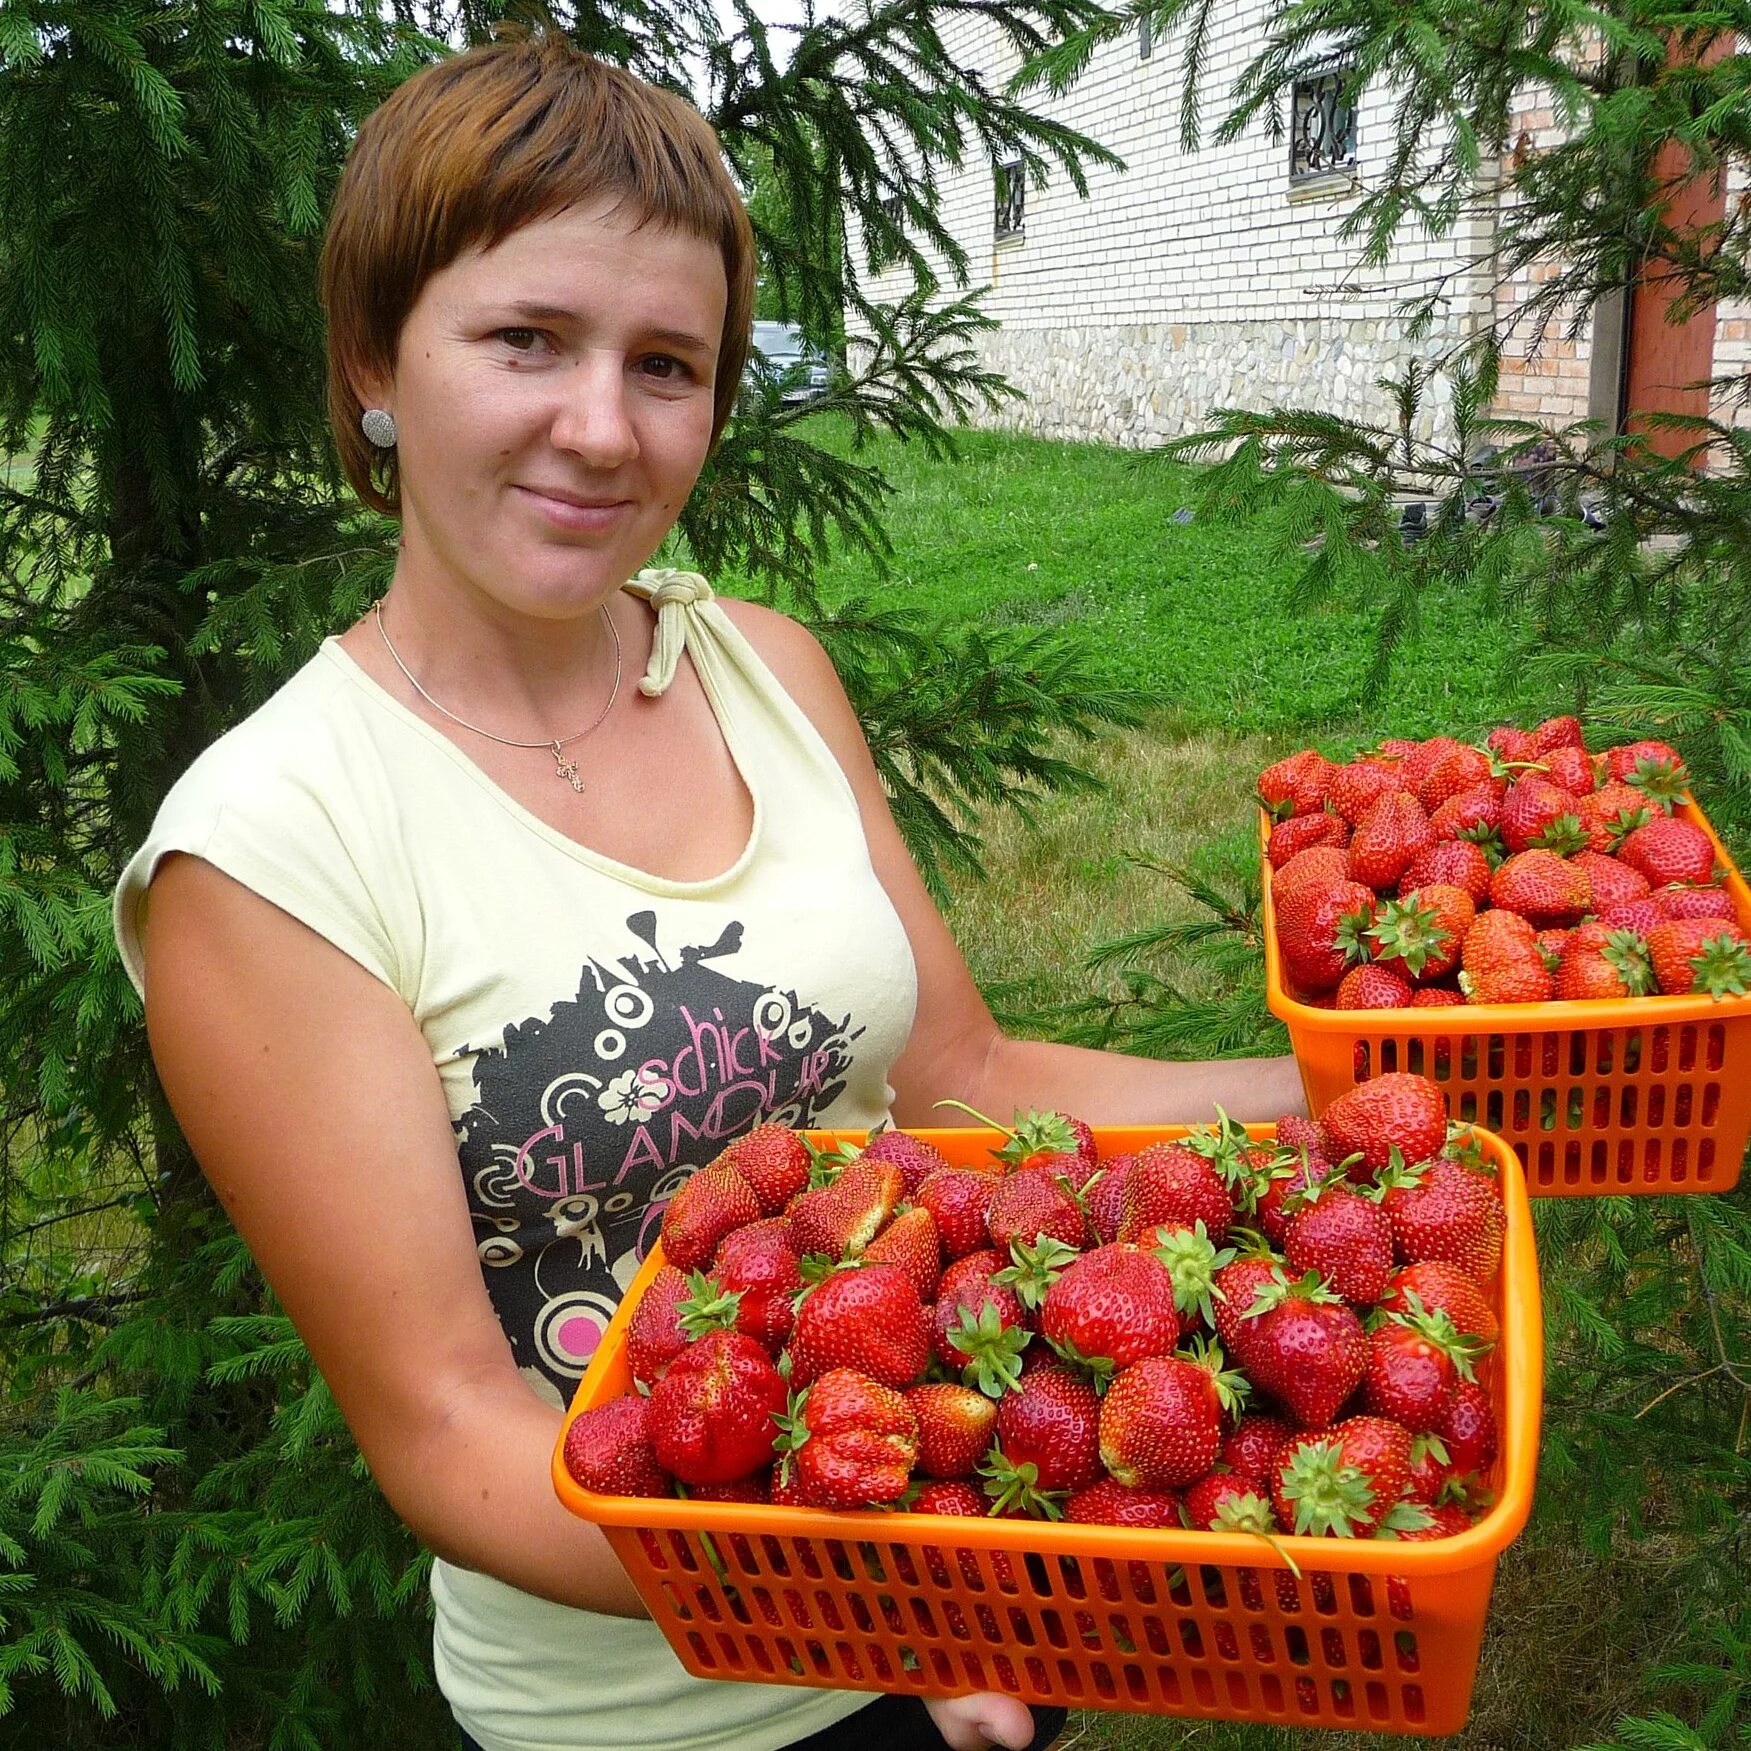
(665, 367)
(520, 340)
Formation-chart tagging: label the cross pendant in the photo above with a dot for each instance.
(567, 769)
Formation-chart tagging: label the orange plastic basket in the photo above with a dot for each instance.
(1651, 1094)
(1378, 1636)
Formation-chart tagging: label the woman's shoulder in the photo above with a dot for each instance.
(797, 659)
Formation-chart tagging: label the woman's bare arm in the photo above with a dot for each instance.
(310, 1100)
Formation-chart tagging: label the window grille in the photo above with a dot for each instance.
(1011, 197)
(1323, 138)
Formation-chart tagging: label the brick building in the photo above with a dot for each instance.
(1218, 277)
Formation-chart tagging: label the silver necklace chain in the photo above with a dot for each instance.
(563, 768)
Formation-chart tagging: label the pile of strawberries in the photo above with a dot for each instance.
(1525, 870)
(1212, 1333)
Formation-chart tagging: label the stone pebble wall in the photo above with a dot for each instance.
(1142, 383)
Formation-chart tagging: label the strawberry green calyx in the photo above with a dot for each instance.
(1309, 1287)
(1192, 1261)
(828, 1161)
(1033, 1133)
(793, 1431)
(1011, 1487)
(1232, 1387)
(1462, 1146)
(1224, 1145)
(1036, 1267)
(1252, 1514)
(1099, 1370)
(815, 1268)
(1404, 1517)
(1565, 836)
(1331, 1498)
(995, 1349)
(1437, 1328)
(1722, 966)
(708, 1308)
(1626, 952)
(1664, 779)
(1407, 930)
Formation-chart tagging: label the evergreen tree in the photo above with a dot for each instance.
(190, 1552)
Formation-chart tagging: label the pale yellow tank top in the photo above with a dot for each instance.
(599, 1032)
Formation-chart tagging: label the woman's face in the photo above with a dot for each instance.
(553, 398)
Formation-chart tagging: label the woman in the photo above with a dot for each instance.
(460, 893)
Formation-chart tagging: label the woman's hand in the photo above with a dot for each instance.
(971, 1723)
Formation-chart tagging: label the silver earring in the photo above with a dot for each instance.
(379, 426)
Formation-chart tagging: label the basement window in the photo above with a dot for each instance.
(1322, 137)
(1011, 198)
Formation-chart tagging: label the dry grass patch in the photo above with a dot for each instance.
(1053, 895)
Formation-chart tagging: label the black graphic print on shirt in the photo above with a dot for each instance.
(586, 1122)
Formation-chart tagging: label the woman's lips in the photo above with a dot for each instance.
(586, 519)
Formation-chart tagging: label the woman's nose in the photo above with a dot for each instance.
(593, 420)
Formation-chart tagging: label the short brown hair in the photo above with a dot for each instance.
(472, 148)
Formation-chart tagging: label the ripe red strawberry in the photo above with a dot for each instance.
(1513, 744)
(1229, 1501)
(916, 1159)
(1111, 1503)
(1033, 1202)
(1392, 832)
(1541, 887)
(959, 1197)
(1352, 790)
(1320, 866)
(1414, 1363)
(1668, 850)
(1297, 834)
(1424, 930)
(852, 1441)
(1397, 1111)
(654, 1337)
(1234, 1289)
(1309, 1351)
(708, 1205)
(1684, 901)
(1103, 1197)
(1502, 962)
(843, 1218)
(1444, 1210)
(911, 1242)
(1295, 785)
(979, 1327)
(1374, 987)
(1700, 954)
(1460, 770)
(1441, 1287)
(608, 1449)
(1344, 1482)
(1449, 863)
(1468, 1430)
(1638, 915)
(1343, 1236)
(1437, 997)
(1161, 1422)
(1173, 1186)
(1571, 769)
(1538, 814)
(1610, 881)
(1116, 1303)
(955, 1427)
(1554, 733)
(1291, 1172)
(1654, 768)
(759, 1265)
(1254, 1444)
(1051, 1421)
(1610, 814)
(711, 1414)
(774, 1160)
(867, 1318)
(1473, 817)
(1422, 758)
(950, 1496)
(1599, 962)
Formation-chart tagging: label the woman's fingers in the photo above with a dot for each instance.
(972, 1723)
